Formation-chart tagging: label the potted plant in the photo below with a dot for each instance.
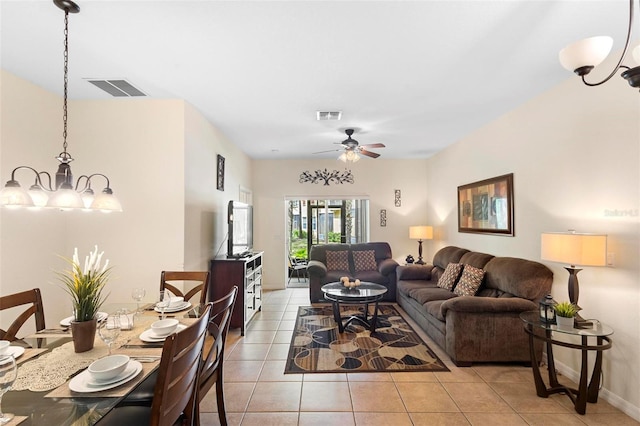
(85, 286)
(565, 311)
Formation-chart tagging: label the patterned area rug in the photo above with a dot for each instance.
(318, 347)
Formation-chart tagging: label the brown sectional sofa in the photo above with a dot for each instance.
(384, 272)
(481, 328)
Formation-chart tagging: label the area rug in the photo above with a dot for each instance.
(318, 347)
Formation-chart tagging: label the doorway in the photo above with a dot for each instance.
(321, 221)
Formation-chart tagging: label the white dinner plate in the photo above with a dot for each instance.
(16, 351)
(180, 307)
(149, 337)
(67, 321)
(84, 383)
(126, 373)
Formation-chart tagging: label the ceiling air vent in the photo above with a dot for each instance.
(328, 115)
(117, 87)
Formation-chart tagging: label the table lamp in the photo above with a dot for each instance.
(576, 250)
(420, 233)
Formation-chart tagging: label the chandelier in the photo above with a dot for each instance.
(584, 55)
(64, 194)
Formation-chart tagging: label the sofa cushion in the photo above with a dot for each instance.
(433, 308)
(469, 282)
(338, 260)
(450, 276)
(429, 294)
(447, 255)
(364, 260)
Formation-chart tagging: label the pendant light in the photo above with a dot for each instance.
(584, 55)
(64, 194)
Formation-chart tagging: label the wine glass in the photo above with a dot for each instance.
(163, 302)
(137, 294)
(8, 374)
(109, 330)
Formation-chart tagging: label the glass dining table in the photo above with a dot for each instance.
(49, 353)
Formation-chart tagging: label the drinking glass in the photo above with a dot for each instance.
(137, 294)
(163, 302)
(109, 330)
(8, 374)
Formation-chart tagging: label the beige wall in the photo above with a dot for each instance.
(206, 207)
(574, 152)
(275, 180)
(171, 216)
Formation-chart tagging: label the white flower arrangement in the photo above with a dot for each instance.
(85, 285)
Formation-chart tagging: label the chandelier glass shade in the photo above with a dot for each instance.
(349, 156)
(62, 193)
(584, 55)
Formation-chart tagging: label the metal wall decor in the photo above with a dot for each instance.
(220, 183)
(398, 196)
(383, 217)
(326, 177)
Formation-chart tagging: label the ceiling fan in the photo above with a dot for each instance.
(351, 149)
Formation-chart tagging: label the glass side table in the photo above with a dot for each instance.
(545, 332)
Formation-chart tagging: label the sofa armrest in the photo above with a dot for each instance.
(387, 266)
(487, 304)
(414, 272)
(316, 268)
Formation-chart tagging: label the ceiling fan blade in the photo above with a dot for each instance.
(373, 145)
(369, 153)
(331, 150)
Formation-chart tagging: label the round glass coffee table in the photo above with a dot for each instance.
(364, 294)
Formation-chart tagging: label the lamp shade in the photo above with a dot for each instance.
(588, 52)
(421, 232)
(574, 249)
(636, 54)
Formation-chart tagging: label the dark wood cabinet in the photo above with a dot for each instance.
(246, 273)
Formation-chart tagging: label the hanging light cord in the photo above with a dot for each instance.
(65, 157)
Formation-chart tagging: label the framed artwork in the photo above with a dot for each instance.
(383, 217)
(398, 197)
(486, 207)
(220, 183)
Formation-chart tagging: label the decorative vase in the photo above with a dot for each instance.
(564, 322)
(84, 335)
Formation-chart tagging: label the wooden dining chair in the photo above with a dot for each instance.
(175, 399)
(36, 309)
(198, 276)
(213, 354)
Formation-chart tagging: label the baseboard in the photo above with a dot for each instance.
(613, 399)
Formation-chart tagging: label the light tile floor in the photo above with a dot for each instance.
(257, 392)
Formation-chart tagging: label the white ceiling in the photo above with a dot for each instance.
(414, 75)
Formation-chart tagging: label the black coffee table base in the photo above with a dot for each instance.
(365, 318)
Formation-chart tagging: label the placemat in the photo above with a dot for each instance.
(64, 391)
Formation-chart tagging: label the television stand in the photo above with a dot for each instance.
(246, 273)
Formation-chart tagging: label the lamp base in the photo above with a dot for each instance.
(580, 322)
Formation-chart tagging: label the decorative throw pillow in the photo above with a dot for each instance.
(470, 281)
(450, 276)
(338, 260)
(364, 260)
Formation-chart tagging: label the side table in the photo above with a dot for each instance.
(542, 331)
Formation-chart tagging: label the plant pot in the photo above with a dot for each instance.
(84, 335)
(564, 322)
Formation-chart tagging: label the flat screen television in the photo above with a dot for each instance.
(240, 221)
